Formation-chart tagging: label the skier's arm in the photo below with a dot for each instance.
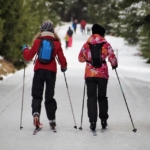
(81, 56)
(29, 53)
(61, 58)
(111, 56)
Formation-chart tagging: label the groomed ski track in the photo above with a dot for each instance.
(119, 134)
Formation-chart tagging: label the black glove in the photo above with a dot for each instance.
(114, 67)
(63, 69)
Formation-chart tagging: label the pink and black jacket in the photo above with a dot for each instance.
(107, 52)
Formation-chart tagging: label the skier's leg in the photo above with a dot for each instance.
(92, 100)
(37, 94)
(102, 99)
(37, 91)
(50, 102)
(66, 44)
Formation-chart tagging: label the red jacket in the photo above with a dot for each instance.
(83, 24)
(30, 53)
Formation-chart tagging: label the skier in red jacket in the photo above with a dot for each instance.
(45, 74)
(83, 24)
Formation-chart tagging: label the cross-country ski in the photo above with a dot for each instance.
(37, 130)
(94, 132)
(53, 129)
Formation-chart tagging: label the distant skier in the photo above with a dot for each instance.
(45, 73)
(88, 30)
(70, 34)
(66, 40)
(96, 74)
(74, 25)
(83, 24)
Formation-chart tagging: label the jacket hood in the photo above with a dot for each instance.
(95, 39)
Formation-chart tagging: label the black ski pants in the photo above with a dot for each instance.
(96, 93)
(40, 78)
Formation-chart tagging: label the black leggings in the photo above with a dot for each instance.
(48, 77)
(96, 92)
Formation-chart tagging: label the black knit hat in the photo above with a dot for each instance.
(98, 29)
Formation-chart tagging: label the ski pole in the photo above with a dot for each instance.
(68, 95)
(22, 98)
(70, 100)
(134, 130)
(82, 107)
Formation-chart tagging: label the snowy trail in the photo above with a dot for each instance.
(119, 135)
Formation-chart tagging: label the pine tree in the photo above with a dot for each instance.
(20, 20)
(61, 8)
(1, 28)
(101, 12)
(145, 33)
(16, 29)
(134, 22)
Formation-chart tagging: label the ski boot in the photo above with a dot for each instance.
(104, 123)
(52, 123)
(36, 120)
(93, 126)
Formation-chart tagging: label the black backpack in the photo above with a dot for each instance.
(96, 52)
(45, 52)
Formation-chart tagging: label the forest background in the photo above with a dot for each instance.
(20, 21)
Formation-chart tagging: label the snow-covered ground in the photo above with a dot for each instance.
(134, 76)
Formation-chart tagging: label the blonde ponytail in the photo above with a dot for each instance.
(36, 37)
(56, 36)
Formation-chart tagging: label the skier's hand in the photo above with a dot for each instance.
(25, 46)
(114, 67)
(63, 69)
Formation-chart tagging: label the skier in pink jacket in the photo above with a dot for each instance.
(96, 74)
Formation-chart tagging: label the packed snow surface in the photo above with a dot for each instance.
(135, 81)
